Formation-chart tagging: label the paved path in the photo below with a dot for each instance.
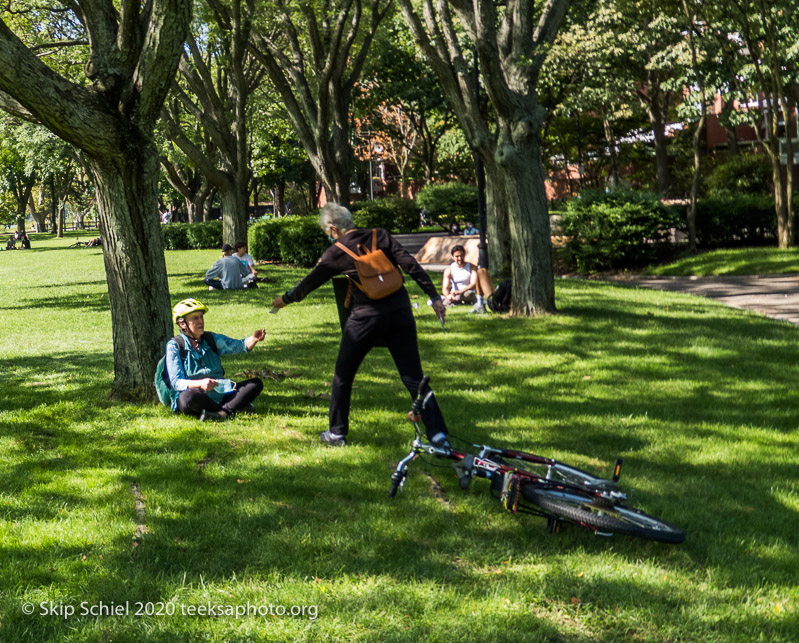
(772, 295)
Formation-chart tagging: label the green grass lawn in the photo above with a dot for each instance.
(739, 261)
(139, 509)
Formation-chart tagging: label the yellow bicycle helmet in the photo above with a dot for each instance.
(187, 306)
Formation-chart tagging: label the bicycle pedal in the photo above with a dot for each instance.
(617, 470)
(465, 470)
(510, 492)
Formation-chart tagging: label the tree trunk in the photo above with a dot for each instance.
(234, 213)
(610, 139)
(732, 141)
(497, 225)
(699, 144)
(661, 155)
(279, 201)
(519, 156)
(133, 252)
(195, 207)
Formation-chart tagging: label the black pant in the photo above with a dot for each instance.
(214, 283)
(194, 401)
(395, 330)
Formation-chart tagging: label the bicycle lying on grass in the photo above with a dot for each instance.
(529, 483)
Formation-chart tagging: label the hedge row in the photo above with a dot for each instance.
(616, 230)
(741, 220)
(444, 203)
(391, 213)
(624, 228)
(188, 236)
(293, 239)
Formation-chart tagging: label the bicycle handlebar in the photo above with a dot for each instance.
(418, 403)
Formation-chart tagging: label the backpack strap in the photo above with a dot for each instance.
(348, 299)
(209, 339)
(182, 350)
(374, 239)
(346, 249)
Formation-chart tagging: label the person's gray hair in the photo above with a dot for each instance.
(333, 214)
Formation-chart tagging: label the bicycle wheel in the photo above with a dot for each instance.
(578, 508)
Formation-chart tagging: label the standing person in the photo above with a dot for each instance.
(373, 322)
(251, 280)
(197, 377)
(227, 273)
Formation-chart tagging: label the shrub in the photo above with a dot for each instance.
(615, 230)
(448, 202)
(263, 238)
(205, 235)
(742, 174)
(745, 219)
(175, 236)
(302, 242)
(392, 214)
(184, 236)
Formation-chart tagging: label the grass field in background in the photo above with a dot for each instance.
(128, 505)
(738, 261)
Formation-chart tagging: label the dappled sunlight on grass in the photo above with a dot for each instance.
(742, 261)
(698, 399)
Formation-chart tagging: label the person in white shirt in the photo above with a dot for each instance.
(251, 280)
(460, 280)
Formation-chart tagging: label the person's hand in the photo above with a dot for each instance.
(278, 302)
(253, 339)
(439, 308)
(206, 384)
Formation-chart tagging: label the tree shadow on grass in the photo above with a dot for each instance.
(215, 511)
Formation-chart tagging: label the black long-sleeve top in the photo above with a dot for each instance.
(335, 261)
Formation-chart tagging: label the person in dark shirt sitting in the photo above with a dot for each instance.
(373, 322)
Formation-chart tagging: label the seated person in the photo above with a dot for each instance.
(11, 244)
(227, 273)
(460, 282)
(454, 229)
(197, 381)
(26, 242)
(470, 229)
(97, 241)
(251, 280)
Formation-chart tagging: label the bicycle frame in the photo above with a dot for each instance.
(489, 462)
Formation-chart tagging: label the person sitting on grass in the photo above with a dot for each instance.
(197, 380)
(251, 280)
(11, 244)
(227, 273)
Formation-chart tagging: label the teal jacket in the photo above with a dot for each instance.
(199, 364)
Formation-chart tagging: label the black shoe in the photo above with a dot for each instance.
(211, 416)
(332, 439)
(247, 410)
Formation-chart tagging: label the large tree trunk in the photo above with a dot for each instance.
(234, 213)
(133, 251)
(519, 156)
(497, 224)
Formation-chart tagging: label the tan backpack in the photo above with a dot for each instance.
(379, 277)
